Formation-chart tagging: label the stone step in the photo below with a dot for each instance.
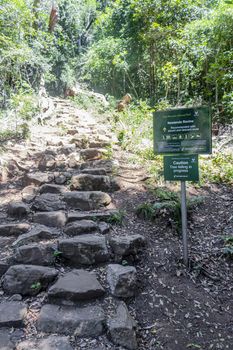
(81, 227)
(36, 254)
(88, 182)
(69, 320)
(12, 314)
(97, 171)
(48, 202)
(18, 209)
(13, 229)
(123, 246)
(5, 339)
(37, 178)
(93, 215)
(37, 234)
(77, 285)
(122, 280)
(27, 279)
(91, 154)
(88, 200)
(51, 219)
(52, 188)
(84, 250)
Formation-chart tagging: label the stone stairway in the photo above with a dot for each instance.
(64, 280)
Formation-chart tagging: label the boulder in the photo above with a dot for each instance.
(84, 250)
(88, 182)
(121, 328)
(70, 320)
(48, 202)
(123, 246)
(47, 162)
(77, 285)
(35, 254)
(122, 280)
(89, 200)
(27, 279)
(80, 227)
(51, 219)
(36, 234)
(13, 229)
(18, 209)
(53, 342)
(12, 314)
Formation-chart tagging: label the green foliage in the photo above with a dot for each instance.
(217, 168)
(116, 218)
(228, 246)
(36, 286)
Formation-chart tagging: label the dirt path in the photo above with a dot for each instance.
(73, 278)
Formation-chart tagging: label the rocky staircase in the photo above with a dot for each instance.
(64, 273)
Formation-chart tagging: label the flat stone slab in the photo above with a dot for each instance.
(91, 154)
(36, 234)
(51, 188)
(35, 254)
(88, 182)
(69, 320)
(51, 219)
(49, 343)
(12, 314)
(5, 340)
(48, 202)
(77, 285)
(13, 229)
(27, 279)
(122, 280)
(126, 245)
(88, 200)
(37, 178)
(81, 227)
(84, 250)
(93, 215)
(122, 328)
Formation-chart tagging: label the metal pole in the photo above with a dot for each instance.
(184, 223)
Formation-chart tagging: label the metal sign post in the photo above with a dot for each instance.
(184, 223)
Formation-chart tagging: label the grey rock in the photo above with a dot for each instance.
(89, 200)
(47, 162)
(12, 314)
(126, 245)
(27, 279)
(84, 250)
(91, 154)
(60, 179)
(122, 328)
(18, 209)
(51, 219)
(87, 182)
(122, 280)
(97, 171)
(13, 229)
(36, 234)
(80, 227)
(29, 193)
(4, 266)
(5, 341)
(50, 343)
(74, 160)
(104, 227)
(67, 149)
(93, 215)
(37, 179)
(82, 322)
(77, 285)
(51, 188)
(35, 254)
(48, 202)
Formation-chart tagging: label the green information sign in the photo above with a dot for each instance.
(182, 131)
(181, 168)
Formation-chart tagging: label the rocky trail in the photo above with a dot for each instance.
(61, 264)
(72, 278)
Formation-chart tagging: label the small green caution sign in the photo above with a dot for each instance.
(181, 168)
